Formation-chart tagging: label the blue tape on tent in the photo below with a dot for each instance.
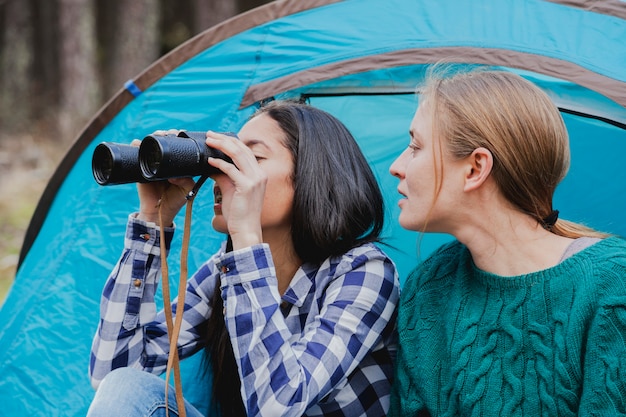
(132, 88)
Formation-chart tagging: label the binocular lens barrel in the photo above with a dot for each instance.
(152, 157)
(172, 156)
(157, 158)
(115, 163)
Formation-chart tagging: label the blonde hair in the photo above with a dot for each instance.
(517, 122)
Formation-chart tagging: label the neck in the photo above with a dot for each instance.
(286, 261)
(506, 242)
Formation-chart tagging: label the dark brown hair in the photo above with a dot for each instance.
(337, 205)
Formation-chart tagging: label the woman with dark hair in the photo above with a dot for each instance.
(524, 314)
(296, 310)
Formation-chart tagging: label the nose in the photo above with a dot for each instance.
(397, 167)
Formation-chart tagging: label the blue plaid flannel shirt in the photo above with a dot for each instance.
(325, 348)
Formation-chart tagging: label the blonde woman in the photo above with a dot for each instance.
(524, 313)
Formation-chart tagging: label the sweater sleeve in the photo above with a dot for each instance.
(604, 379)
(404, 399)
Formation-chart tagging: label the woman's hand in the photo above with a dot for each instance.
(248, 181)
(170, 194)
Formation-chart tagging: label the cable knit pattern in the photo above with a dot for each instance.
(543, 344)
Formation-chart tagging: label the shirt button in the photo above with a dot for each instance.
(225, 269)
(137, 283)
(145, 236)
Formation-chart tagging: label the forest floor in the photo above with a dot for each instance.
(27, 161)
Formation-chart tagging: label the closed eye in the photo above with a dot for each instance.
(414, 148)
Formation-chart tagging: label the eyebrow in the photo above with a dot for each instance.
(253, 142)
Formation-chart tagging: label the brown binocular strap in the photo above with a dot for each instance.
(173, 325)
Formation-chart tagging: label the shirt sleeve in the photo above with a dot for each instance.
(130, 332)
(284, 373)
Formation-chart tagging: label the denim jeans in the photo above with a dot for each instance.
(127, 392)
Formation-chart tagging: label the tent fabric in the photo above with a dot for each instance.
(540, 36)
(358, 59)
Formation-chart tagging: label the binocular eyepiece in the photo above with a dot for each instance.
(157, 158)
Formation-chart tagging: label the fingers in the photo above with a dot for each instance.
(181, 182)
(174, 132)
(242, 156)
(216, 135)
(184, 184)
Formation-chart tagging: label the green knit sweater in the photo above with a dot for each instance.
(550, 343)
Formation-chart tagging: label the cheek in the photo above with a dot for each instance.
(420, 175)
(279, 198)
(414, 176)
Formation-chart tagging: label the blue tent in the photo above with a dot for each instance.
(358, 59)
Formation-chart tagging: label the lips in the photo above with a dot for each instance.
(402, 199)
(217, 201)
(217, 195)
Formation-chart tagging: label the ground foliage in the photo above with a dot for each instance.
(27, 161)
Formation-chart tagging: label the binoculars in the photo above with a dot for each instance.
(157, 158)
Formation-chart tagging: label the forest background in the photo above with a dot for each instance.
(60, 61)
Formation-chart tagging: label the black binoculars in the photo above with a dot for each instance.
(157, 158)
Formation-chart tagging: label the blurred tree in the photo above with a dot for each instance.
(208, 13)
(176, 23)
(132, 39)
(16, 63)
(60, 59)
(79, 85)
(45, 81)
(250, 4)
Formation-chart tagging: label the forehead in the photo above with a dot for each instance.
(262, 130)
(422, 121)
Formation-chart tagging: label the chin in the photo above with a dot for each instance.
(219, 225)
(410, 225)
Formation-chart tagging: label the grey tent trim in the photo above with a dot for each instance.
(281, 8)
(615, 8)
(609, 87)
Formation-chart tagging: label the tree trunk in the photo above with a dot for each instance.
(245, 5)
(78, 76)
(135, 44)
(46, 59)
(16, 63)
(106, 22)
(208, 13)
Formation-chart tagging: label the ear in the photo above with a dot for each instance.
(479, 166)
